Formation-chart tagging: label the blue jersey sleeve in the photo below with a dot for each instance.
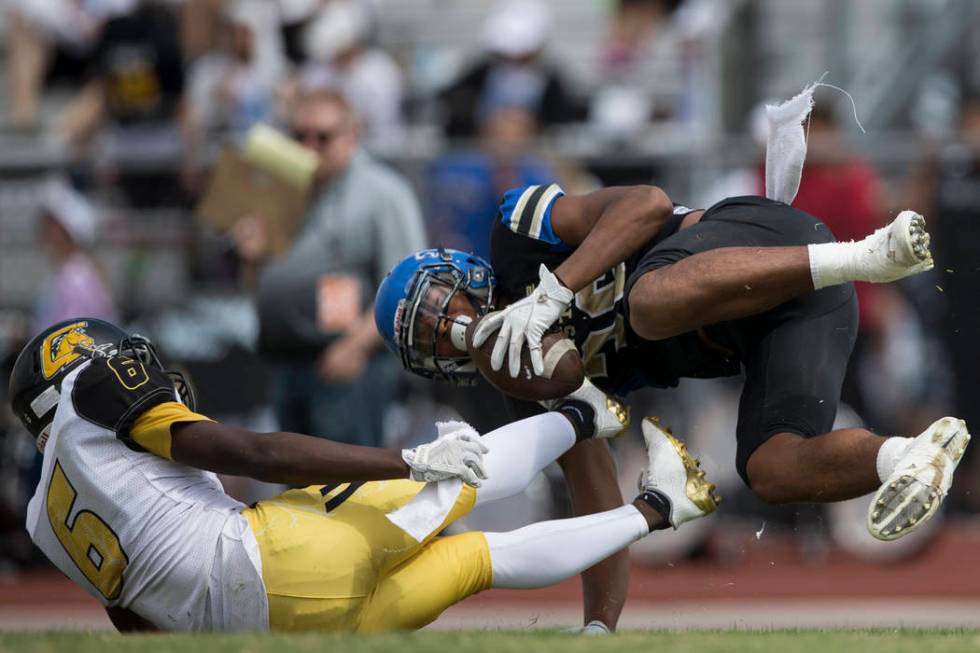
(527, 212)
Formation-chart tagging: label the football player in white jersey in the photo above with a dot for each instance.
(128, 508)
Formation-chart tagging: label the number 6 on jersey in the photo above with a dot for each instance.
(90, 542)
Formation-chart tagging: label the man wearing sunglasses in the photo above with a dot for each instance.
(315, 301)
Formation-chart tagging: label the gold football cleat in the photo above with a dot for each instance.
(612, 416)
(675, 473)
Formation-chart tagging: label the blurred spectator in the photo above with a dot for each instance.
(632, 26)
(136, 91)
(234, 86)
(466, 187)
(513, 73)
(315, 302)
(658, 63)
(341, 58)
(948, 189)
(50, 39)
(68, 227)
(201, 24)
(294, 16)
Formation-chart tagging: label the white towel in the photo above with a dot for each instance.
(786, 146)
(426, 512)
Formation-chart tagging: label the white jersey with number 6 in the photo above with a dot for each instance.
(142, 532)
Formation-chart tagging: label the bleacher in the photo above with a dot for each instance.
(786, 46)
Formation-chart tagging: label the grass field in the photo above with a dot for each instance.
(783, 641)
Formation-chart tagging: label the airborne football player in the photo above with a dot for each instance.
(652, 293)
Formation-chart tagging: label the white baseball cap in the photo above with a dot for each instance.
(70, 209)
(517, 28)
(337, 27)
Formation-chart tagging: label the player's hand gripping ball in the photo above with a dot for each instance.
(524, 323)
(563, 369)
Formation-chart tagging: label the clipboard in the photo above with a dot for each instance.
(271, 178)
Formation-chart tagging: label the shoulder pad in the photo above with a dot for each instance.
(113, 392)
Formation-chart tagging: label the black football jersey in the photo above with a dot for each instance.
(615, 358)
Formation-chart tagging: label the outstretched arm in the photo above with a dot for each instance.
(281, 457)
(171, 431)
(606, 227)
(138, 402)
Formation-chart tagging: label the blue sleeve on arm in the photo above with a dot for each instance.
(527, 212)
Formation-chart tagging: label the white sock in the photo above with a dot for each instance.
(890, 453)
(834, 263)
(519, 451)
(545, 553)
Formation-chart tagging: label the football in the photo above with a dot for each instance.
(563, 369)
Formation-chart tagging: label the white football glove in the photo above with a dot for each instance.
(528, 320)
(456, 453)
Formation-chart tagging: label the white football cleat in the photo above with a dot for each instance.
(897, 251)
(675, 474)
(917, 487)
(609, 418)
(594, 628)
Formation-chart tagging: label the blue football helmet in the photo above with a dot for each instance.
(424, 305)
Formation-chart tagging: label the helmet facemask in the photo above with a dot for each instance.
(140, 348)
(432, 320)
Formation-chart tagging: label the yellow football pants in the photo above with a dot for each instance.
(331, 559)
